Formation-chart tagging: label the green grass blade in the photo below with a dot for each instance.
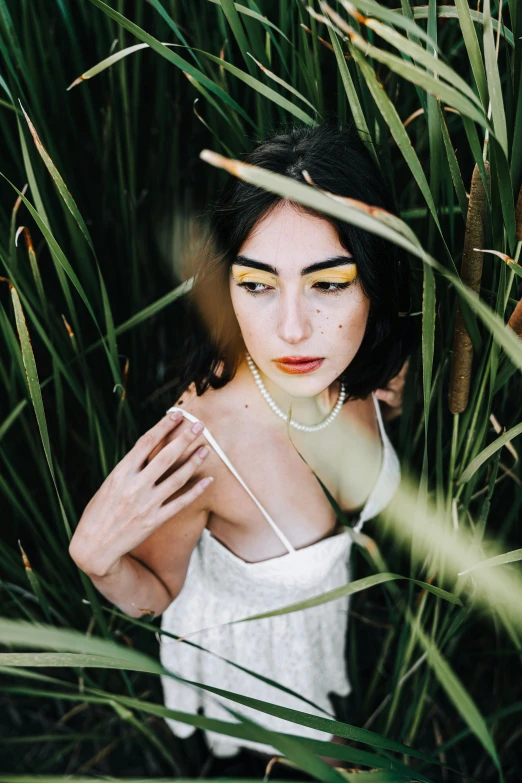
(472, 46)
(452, 12)
(353, 98)
(233, 19)
(453, 164)
(174, 58)
(34, 635)
(420, 55)
(339, 592)
(488, 452)
(493, 80)
(58, 181)
(505, 187)
(507, 557)
(371, 8)
(415, 75)
(36, 393)
(261, 88)
(458, 695)
(242, 9)
(282, 82)
(60, 256)
(18, 633)
(173, 26)
(398, 131)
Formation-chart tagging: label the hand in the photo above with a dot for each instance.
(128, 506)
(392, 394)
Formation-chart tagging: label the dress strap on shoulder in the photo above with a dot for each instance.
(219, 451)
(380, 419)
(389, 474)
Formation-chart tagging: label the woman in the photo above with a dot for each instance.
(300, 311)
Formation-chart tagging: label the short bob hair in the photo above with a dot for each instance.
(337, 161)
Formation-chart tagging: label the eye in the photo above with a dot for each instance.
(258, 288)
(332, 288)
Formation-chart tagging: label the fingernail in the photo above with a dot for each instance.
(176, 416)
(206, 481)
(198, 427)
(203, 451)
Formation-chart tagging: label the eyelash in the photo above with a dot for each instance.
(337, 287)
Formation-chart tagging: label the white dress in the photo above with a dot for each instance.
(302, 650)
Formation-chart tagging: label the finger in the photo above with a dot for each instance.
(399, 380)
(382, 394)
(182, 501)
(171, 454)
(389, 397)
(397, 383)
(404, 369)
(183, 474)
(150, 439)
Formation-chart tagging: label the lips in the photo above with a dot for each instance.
(295, 365)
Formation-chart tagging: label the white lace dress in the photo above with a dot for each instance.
(303, 651)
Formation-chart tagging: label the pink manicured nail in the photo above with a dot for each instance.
(198, 427)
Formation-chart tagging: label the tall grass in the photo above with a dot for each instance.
(106, 108)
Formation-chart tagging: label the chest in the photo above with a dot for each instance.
(285, 485)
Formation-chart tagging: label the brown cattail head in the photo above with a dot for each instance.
(518, 216)
(515, 321)
(27, 564)
(470, 273)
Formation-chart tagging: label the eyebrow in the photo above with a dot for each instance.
(327, 264)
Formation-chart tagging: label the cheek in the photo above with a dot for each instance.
(251, 320)
(343, 323)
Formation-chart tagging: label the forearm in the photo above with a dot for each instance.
(133, 588)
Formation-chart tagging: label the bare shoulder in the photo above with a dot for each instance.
(192, 403)
(213, 407)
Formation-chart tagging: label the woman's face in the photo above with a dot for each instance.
(296, 294)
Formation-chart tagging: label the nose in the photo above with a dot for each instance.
(294, 319)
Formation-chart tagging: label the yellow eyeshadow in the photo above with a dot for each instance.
(243, 275)
(334, 275)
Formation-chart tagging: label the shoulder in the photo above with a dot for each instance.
(213, 407)
(216, 408)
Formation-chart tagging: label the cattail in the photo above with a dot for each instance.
(470, 274)
(515, 321)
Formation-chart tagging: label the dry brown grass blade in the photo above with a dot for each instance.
(470, 273)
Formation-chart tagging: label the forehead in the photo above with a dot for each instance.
(291, 239)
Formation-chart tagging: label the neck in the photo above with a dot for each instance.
(305, 410)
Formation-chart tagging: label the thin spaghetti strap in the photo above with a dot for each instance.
(219, 451)
(367, 511)
(380, 420)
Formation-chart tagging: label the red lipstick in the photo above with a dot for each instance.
(296, 365)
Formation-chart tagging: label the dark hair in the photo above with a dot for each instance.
(337, 161)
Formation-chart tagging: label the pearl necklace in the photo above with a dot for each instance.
(304, 427)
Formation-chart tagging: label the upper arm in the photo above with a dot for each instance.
(167, 551)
